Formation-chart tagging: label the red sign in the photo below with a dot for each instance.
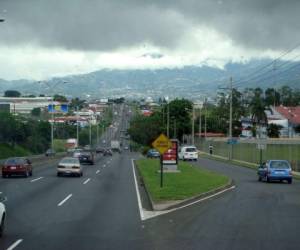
(171, 155)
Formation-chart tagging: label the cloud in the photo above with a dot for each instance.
(104, 25)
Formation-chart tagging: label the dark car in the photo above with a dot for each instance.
(107, 152)
(153, 153)
(275, 170)
(99, 150)
(17, 166)
(50, 152)
(86, 157)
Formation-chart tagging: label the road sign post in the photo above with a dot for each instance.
(162, 144)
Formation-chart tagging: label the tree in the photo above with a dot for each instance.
(12, 93)
(60, 98)
(36, 112)
(272, 97)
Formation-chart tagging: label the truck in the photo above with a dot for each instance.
(115, 146)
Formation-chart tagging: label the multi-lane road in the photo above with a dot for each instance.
(100, 211)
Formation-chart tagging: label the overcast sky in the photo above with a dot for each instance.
(44, 38)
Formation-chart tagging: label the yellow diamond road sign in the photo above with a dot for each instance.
(162, 144)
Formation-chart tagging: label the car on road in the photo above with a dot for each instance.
(153, 153)
(17, 166)
(107, 152)
(275, 170)
(2, 215)
(77, 152)
(99, 150)
(188, 153)
(50, 152)
(87, 157)
(69, 166)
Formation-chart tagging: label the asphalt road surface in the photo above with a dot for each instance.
(100, 211)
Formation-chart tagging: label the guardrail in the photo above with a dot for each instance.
(40, 158)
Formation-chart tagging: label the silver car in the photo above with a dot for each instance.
(69, 166)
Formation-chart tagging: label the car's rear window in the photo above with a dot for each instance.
(69, 161)
(190, 150)
(279, 165)
(14, 161)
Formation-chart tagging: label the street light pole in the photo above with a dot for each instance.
(193, 125)
(77, 124)
(200, 124)
(52, 123)
(205, 118)
(168, 119)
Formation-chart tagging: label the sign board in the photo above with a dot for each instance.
(232, 141)
(170, 157)
(162, 144)
(261, 146)
(62, 108)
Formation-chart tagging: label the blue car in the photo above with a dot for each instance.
(153, 153)
(275, 170)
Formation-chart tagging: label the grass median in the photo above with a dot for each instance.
(190, 182)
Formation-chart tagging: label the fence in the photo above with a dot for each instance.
(247, 150)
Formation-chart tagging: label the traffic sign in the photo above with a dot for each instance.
(162, 144)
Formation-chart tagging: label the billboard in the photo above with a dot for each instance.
(58, 108)
(170, 157)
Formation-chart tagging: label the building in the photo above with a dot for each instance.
(24, 105)
(290, 119)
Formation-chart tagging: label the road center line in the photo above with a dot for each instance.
(13, 246)
(98, 171)
(36, 179)
(86, 181)
(64, 200)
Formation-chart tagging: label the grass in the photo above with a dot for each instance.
(10, 151)
(191, 181)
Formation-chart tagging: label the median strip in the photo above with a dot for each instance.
(34, 180)
(86, 181)
(13, 246)
(186, 186)
(64, 200)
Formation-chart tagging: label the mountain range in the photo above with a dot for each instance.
(190, 81)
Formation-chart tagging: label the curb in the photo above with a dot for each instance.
(173, 204)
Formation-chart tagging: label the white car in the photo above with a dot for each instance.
(69, 166)
(188, 153)
(2, 215)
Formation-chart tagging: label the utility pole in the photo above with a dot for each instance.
(205, 118)
(97, 134)
(200, 123)
(90, 133)
(230, 120)
(52, 123)
(193, 125)
(168, 119)
(77, 129)
(274, 70)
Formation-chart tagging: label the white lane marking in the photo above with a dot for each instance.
(86, 181)
(98, 171)
(145, 214)
(137, 193)
(15, 244)
(64, 200)
(104, 165)
(36, 179)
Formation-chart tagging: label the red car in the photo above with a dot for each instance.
(17, 166)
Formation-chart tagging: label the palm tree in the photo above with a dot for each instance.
(258, 108)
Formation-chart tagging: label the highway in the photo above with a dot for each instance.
(100, 211)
